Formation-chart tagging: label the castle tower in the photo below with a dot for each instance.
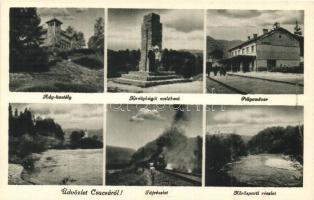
(151, 37)
(53, 32)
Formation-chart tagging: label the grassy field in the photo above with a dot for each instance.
(65, 76)
(92, 61)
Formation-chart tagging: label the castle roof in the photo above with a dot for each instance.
(68, 35)
(54, 20)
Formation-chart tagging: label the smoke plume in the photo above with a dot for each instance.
(179, 151)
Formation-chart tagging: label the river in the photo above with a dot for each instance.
(67, 167)
(261, 170)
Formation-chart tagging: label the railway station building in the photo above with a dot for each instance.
(277, 48)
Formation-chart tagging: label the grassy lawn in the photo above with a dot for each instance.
(256, 86)
(92, 61)
(65, 76)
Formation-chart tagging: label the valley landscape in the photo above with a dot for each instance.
(58, 59)
(171, 157)
(42, 153)
(261, 157)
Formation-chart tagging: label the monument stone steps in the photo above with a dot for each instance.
(150, 73)
(150, 77)
(150, 83)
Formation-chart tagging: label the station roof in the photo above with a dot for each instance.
(263, 36)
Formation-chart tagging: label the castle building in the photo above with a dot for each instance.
(55, 37)
(275, 48)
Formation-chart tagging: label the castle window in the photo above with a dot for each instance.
(252, 49)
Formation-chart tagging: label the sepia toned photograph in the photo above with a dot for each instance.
(255, 51)
(55, 144)
(155, 50)
(56, 50)
(154, 145)
(254, 146)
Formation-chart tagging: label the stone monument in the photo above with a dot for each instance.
(150, 67)
(151, 40)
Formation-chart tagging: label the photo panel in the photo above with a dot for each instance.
(154, 145)
(56, 50)
(155, 50)
(255, 51)
(55, 144)
(254, 146)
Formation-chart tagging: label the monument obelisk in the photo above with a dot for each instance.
(151, 37)
(149, 73)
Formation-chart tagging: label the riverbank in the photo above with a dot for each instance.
(61, 167)
(266, 170)
(15, 175)
(260, 170)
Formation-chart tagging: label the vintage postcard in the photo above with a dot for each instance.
(173, 100)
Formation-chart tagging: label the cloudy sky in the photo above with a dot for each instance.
(182, 29)
(249, 120)
(82, 116)
(238, 24)
(135, 126)
(81, 19)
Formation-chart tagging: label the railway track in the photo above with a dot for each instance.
(192, 178)
(242, 84)
(235, 90)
